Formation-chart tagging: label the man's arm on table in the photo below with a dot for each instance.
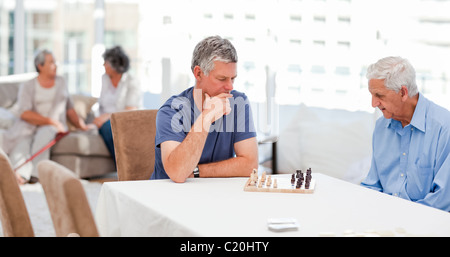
(187, 154)
(180, 159)
(240, 166)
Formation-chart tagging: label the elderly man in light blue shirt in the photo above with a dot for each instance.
(411, 143)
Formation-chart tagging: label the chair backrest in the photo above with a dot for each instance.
(67, 201)
(134, 143)
(13, 211)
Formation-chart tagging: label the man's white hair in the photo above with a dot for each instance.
(396, 72)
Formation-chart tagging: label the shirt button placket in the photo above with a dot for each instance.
(404, 148)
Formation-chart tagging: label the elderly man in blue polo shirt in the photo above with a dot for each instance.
(207, 130)
(411, 143)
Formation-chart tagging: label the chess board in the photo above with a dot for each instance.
(279, 184)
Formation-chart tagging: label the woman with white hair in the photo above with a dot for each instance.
(120, 92)
(411, 143)
(44, 103)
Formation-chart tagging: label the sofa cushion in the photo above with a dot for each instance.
(82, 143)
(82, 105)
(86, 166)
(332, 142)
(8, 94)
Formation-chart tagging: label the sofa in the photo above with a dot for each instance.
(334, 142)
(83, 152)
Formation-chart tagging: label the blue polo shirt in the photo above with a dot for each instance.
(413, 162)
(176, 117)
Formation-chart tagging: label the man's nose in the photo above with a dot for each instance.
(229, 85)
(375, 102)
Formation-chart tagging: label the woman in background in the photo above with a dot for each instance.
(120, 92)
(44, 107)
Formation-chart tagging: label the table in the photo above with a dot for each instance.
(213, 207)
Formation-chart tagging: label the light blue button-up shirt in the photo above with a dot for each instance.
(413, 162)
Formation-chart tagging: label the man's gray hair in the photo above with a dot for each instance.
(39, 59)
(213, 49)
(396, 72)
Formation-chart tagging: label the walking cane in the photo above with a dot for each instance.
(58, 137)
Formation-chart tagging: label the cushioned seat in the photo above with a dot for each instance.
(134, 143)
(13, 212)
(67, 201)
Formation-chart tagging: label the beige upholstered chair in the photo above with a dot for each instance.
(67, 201)
(134, 143)
(13, 211)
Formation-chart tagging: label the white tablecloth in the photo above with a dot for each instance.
(220, 207)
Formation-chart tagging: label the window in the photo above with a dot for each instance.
(250, 17)
(344, 20)
(296, 18)
(228, 16)
(342, 71)
(319, 19)
(318, 69)
(319, 36)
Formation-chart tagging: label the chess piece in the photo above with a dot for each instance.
(299, 184)
(308, 179)
(253, 178)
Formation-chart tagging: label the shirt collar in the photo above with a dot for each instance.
(418, 119)
(419, 116)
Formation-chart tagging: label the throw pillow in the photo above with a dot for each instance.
(82, 105)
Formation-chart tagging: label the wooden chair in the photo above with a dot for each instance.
(13, 211)
(67, 201)
(134, 143)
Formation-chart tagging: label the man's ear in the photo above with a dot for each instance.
(198, 73)
(404, 93)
